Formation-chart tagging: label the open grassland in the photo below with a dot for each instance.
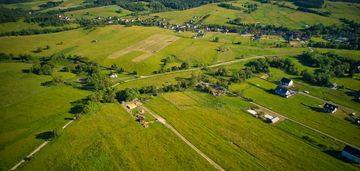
(33, 5)
(27, 109)
(265, 14)
(102, 43)
(104, 11)
(112, 140)
(261, 92)
(236, 140)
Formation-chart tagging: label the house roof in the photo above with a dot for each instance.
(281, 90)
(352, 150)
(330, 106)
(285, 80)
(131, 105)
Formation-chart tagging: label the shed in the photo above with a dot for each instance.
(131, 105)
(351, 153)
(271, 119)
(252, 112)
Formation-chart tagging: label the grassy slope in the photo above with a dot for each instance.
(112, 140)
(333, 125)
(104, 11)
(213, 123)
(266, 14)
(23, 113)
(113, 38)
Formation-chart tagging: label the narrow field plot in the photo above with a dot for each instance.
(149, 46)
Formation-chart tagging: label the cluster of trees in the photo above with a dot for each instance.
(10, 15)
(129, 94)
(168, 60)
(46, 19)
(36, 31)
(250, 7)
(13, 1)
(241, 75)
(50, 4)
(309, 3)
(229, 6)
(331, 64)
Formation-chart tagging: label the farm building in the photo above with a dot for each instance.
(252, 112)
(131, 105)
(329, 108)
(271, 119)
(351, 153)
(283, 91)
(286, 82)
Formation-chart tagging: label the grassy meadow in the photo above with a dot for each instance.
(222, 130)
(23, 113)
(99, 44)
(265, 14)
(112, 140)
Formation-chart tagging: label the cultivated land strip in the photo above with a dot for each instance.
(302, 124)
(163, 121)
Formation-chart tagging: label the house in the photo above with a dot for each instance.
(333, 86)
(286, 82)
(283, 91)
(113, 76)
(271, 119)
(131, 105)
(329, 108)
(351, 153)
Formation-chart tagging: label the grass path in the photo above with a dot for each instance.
(37, 149)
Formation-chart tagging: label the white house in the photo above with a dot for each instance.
(351, 153)
(271, 119)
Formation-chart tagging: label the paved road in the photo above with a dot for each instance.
(163, 121)
(295, 121)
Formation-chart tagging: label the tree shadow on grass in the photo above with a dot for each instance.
(47, 135)
(314, 108)
(337, 155)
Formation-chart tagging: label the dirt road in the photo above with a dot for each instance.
(163, 121)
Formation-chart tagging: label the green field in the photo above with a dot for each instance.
(265, 14)
(260, 91)
(23, 113)
(111, 39)
(104, 11)
(220, 128)
(112, 140)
